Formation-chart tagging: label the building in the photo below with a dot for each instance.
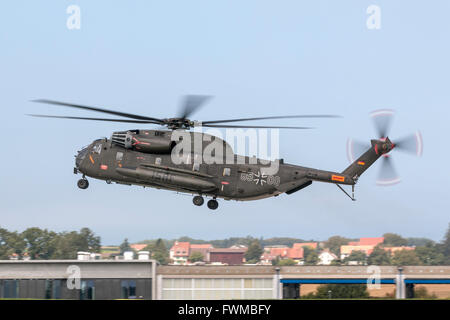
(393, 250)
(367, 245)
(347, 250)
(367, 242)
(77, 279)
(326, 257)
(295, 254)
(138, 246)
(267, 258)
(179, 253)
(139, 279)
(203, 249)
(216, 282)
(289, 282)
(227, 256)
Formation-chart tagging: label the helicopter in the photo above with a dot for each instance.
(153, 157)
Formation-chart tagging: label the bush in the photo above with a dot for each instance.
(339, 291)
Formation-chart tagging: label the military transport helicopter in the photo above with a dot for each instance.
(145, 158)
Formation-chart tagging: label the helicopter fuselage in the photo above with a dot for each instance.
(245, 179)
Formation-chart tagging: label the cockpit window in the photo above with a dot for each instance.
(97, 148)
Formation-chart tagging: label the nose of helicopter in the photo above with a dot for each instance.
(80, 156)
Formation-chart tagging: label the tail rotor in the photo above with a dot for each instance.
(411, 144)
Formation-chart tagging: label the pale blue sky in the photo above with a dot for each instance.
(257, 58)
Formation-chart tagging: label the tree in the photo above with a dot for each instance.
(288, 242)
(196, 256)
(254, 251)
(336, 262)
(92, 241)
(358, 256)
(422, 293)
(334, 244)
(44, 244)
(430, 255)
(340, 291)
(38, 243)
(394, 240)
(11, 243)
(310, 255)
(445, 246)
(125, 246)
(419, 242)
(276, 261)
(286, 262)
(66, 245)
(405, 258)
(159, 251)
(379, 257)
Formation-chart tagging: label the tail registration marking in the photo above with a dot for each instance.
(337, 178)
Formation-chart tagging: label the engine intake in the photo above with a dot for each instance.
(147, 141)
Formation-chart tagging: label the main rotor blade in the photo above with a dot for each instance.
(191, 103)
(117, 113)
(274, 117)
(410, 144)
(95, 119)
(382, 120)
(388, 175)
(266, 127)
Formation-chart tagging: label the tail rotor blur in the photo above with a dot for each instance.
(411, 144)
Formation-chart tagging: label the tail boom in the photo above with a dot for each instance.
(368, 158)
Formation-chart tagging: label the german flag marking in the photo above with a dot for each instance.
(361, 163)
(337, 178)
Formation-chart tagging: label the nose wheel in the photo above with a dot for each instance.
(83, 184)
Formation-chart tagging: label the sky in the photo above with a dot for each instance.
(257, 58)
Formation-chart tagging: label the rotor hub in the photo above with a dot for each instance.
(178, 123)
(383, 146)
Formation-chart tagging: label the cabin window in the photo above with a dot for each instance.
(226, 172)
(158, 161)
(119, 156)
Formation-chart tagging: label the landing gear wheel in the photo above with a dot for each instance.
(198, 200)
(83, 184)
(213, 204)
